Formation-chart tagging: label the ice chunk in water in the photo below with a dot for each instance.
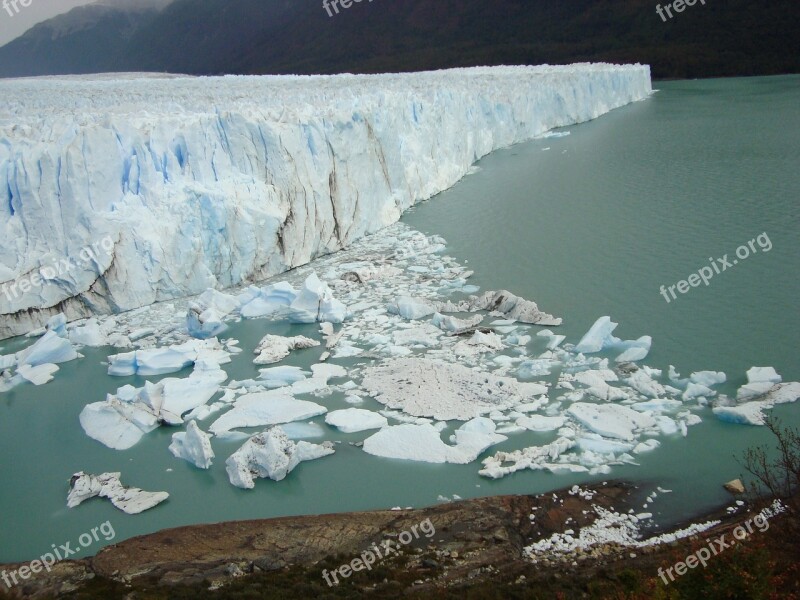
(597, 336)
(193, 445)
(353, 420)
(270, 454)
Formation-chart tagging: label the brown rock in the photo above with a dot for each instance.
(735, 487)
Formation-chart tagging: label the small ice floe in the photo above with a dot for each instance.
(38, 375)
(596, 381)
(129, 500)
(429, 388)
(642, 381)
(423, 442)
(600, 337)
(354, 420)
(634, 350)
(541, 423)
(697, 390)
(611, 420)
(479, 343)
(454, 325)
(275, 377)
(425, 335)
(193, 445)
(535, 458)
(321, 374)
(676, 380)
(89, 334)
(539, 367)
(708, 378)
(266, 408)
(512, 307)
(274, 348)
(752, 413)
(411, 308)
(161, 361)
(554, 341)
(261, 302)
(205, 317)
(270, 454)
(759, 381)
(50, 348)
(331, 337)
(315, 303)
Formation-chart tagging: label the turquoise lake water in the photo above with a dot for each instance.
(637, 199)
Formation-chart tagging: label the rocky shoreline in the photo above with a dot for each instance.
(474, 540)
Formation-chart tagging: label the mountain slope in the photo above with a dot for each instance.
(740, 37)
(87, 39)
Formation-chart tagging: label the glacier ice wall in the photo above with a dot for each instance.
(120, 191)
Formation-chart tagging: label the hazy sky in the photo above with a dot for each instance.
(39, 10)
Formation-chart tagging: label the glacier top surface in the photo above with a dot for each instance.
(84, 99)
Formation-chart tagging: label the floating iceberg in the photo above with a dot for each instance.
(118, 424)
(274, 348)
(89, 334)
(160, 361)
(708, 378)
(50, 348)
(598, 336)
(266, 408)
(454, 325)
(129, 500)
(315, 303)
(611, 420)
(266, 301)
(535, 458)
(193, 445)
(38, 375)
(275, 377)
(759, 381)
(354, 420)
(270, 454)
(411, 308)
(752, 413)
(512, 307)
(423, 443)
(205, 316)
(635, 350)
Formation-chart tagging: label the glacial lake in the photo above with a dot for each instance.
(588, 224)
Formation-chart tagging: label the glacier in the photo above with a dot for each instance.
(119, 191)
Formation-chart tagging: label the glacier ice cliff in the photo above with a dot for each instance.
(118, 191)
